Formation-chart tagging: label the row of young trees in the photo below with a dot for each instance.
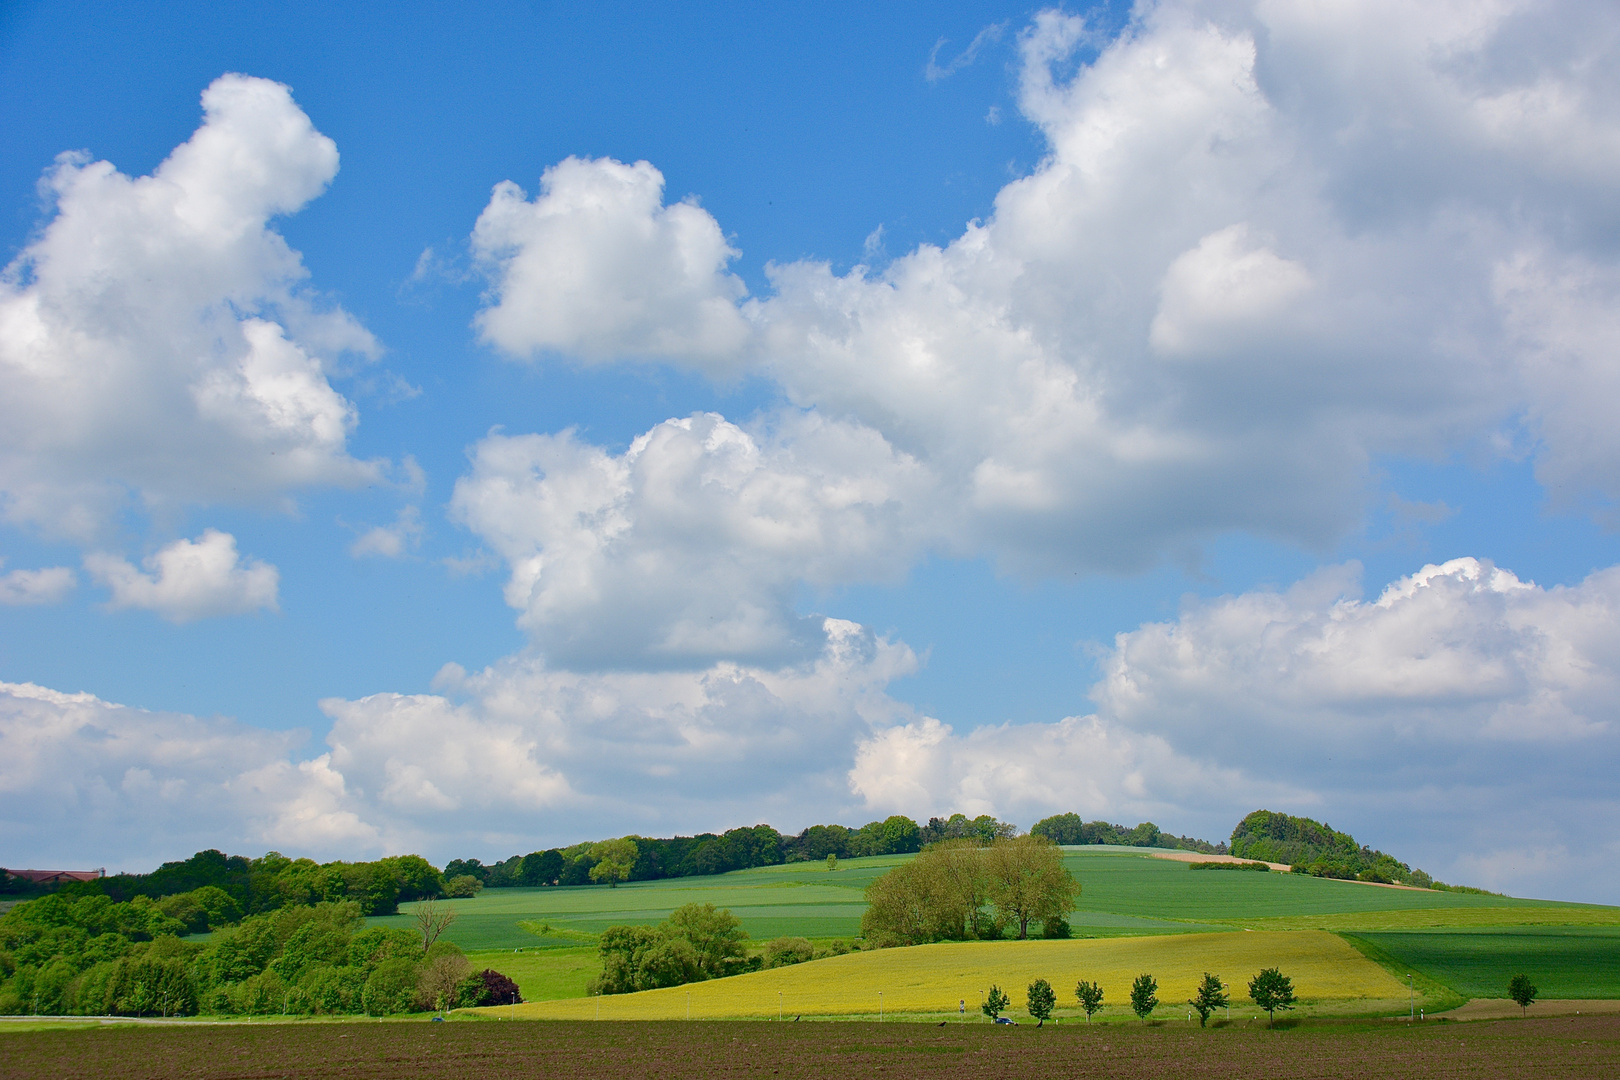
(1271, 990)
(960, 889)
(92, 955)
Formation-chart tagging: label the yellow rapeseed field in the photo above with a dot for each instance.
(932, 980)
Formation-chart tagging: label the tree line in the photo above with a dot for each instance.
(652, 858)
(1069, 830)
(242, 886)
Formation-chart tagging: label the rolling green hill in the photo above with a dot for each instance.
(1455, 939)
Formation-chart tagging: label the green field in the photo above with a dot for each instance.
(1455, 943)
(1562, 962)
(1125, 892)
(802, 899)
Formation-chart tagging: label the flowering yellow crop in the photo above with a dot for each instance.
(935, 979)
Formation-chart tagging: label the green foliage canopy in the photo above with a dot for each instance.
(1211, 995)
(1521, 991)
(1272, 990)
(1041, 999)
(959, 889)
(1144, 995)
(1091, 997)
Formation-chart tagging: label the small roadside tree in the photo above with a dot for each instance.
(1041, 1000)
(1272, 990)
(994, 1002)
(1211, 995)
(1144, 995)
(832, 861)
(1090, 995)
(1522, 992)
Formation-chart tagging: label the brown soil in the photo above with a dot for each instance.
(1506, 1049)
(1497, 1008)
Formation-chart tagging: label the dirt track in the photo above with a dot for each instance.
(1556, 1047)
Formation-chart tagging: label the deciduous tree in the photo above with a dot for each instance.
(716, 936)
(1211, 995)
(1041, 1000)
(994, 1002)
(1522, 992)
(433, 920)
(1272, 990)
(1144, 995)
(1028, 881)
(614, 860)
(1091, 997)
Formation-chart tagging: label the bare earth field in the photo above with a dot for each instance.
(1507, 1049)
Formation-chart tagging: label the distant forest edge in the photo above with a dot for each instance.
(238, 886)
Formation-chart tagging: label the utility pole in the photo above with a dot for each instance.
(1411, 1000)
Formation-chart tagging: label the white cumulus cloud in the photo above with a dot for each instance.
(86, 782)
(45, 586)
(510, 758)
(189, 579)
(1269, 242)
(688, 547)
(597, 266)
(157, 340)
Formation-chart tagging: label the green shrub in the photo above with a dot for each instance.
(391, 987)
(783, 951)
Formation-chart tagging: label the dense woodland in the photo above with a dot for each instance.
(1070, 830)
(1311, 847)
(91, 955)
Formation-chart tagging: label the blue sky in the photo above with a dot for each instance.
(1109, 378)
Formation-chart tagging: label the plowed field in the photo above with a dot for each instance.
(1505, 1050)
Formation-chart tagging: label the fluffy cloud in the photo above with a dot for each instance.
(189, 579)
(1457, 668)
(45, 586)
(89, 782)
(507, 758)
(689, 546)
(156, 339)
(1269, 242)
(1024, 772)
(1461, 712)
(598, 267)
(1464, 718)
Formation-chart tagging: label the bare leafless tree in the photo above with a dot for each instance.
(432, 921)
